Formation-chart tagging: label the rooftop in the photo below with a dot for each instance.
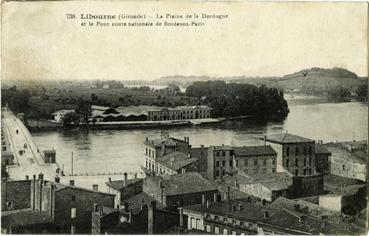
(137, 201)
(176, 160)
(119, 184)
(320, 149)
(254, 151)
(284, 138)
(190, 182)
(273, 181)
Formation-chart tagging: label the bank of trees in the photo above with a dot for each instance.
(232, 100)
(17, 100)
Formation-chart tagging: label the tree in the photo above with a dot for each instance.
(362, 92)
(84, 110)
(71, 118)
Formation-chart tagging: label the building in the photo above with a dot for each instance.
(49, 156)
(267, 187)
(296, 154)
(168, 156)
(148, 113)
(146, 220)
(7, 158)
(59, 115)
(180, 113)
(349, 159)
(124, 189)
(322, 159)
(39, 206)
(240, 217)
(173, 191)
(224, 160)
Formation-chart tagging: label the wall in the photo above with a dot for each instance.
(18, 193)
(131, 190)
(345, 166)
(175, 201)
(260, 168)
(331, 202)
(84, 202)
(305, 186)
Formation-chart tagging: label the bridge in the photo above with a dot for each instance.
(27, 157)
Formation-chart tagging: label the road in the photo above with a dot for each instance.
(31, 161)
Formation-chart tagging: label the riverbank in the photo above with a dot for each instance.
(39, 126)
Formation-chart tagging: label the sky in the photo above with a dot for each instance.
(257, 39)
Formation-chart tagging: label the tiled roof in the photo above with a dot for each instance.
(287, 138)
(191, 182)
(289, 220)
(320, 149)
(254, 151)
(223, 147)
(119, 184)
(176, 160)
(273, 181)
(135, 202)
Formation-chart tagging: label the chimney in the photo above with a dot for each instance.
(189, 155)
(188, 140)
(125, 179)
(109, 180)
(185, 139)
(71, 182)
(264, 138)
(180, 217)
(202, 145)
(96, 207)
(147, 139)
(27, 177)
(203, 199)
(40, 176)
(126, 206)
(136, 175)
(57, 179)
(151, 217)
(95, 187)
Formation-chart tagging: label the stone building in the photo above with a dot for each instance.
(240, 217)
(296, 154)
(124, 189)
(39, 206)
(322, 159)
(180, 113)
(173, 191)
(168, 156)
(224, 160)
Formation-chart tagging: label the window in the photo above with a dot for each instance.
(297, 151)
(223, 172)
(297, 162)
(287, 163)
(149, 152)
(230, 163)
(73, 198)
(216, 230)
(217, 154)
(225, 231)
(343, 167)
(236, 163)
(255, 162)
(287, 151)
(264, 162)
(297, 172)
(234, 233)
(310, 159)
(310, 171)
(255, 171)
(217, 163)
(146, 151)
(146, 164)
(304, 161)
(223, 154)
(273, 170)
(305, 171)
(208, 228)
(310, 150)
(217, 173)
(246, 162)
(273, 161)
(223, 163)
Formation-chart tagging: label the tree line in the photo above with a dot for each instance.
(233, 100)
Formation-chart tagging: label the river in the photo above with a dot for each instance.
(122, 150)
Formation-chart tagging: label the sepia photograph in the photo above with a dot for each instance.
(184, 117)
